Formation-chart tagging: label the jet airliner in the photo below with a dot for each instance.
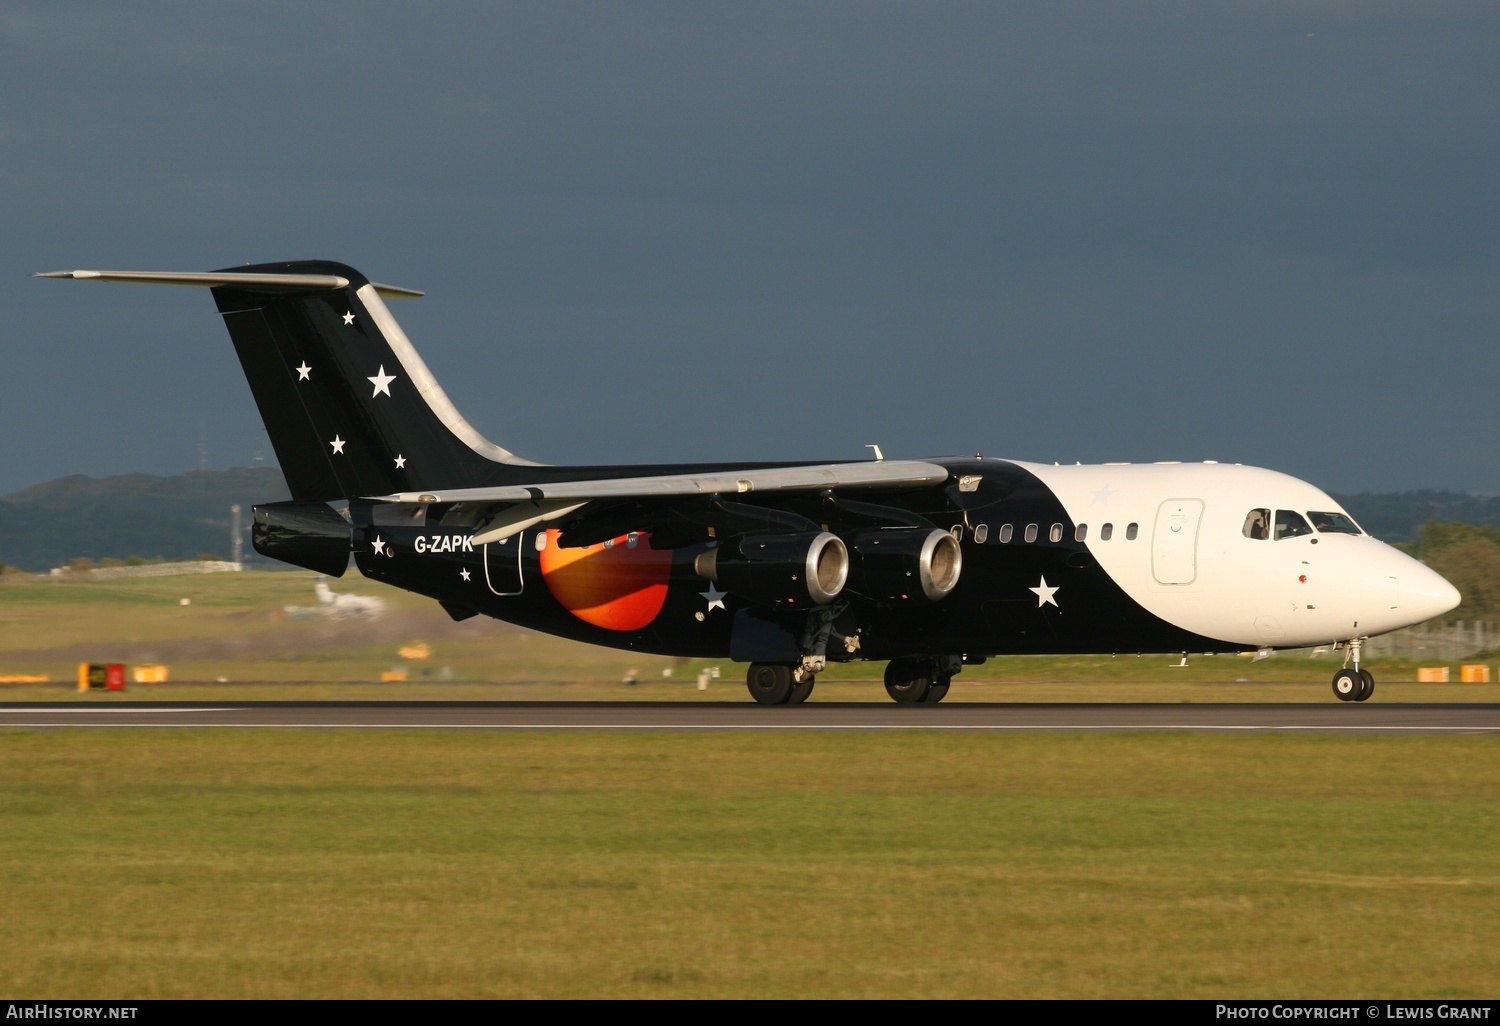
(927, 565)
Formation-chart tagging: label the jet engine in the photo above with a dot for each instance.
(803, 569)
(308, 534)
(904, 565)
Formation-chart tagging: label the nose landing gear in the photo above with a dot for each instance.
(1352, 684)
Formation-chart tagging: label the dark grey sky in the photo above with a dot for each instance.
(1260, 232)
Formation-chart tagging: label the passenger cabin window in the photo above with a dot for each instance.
(1106, 532)
(1333, 523)
(1005, 533)
(1030, 533)
(1258, 524)
(1131, 530)
(981, 533)
(1080, 532)
(1055, 535)
(957, 530)
(1290, 525)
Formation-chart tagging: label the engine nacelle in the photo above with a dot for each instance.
(904, 565)
(308, 534)
(797, 570)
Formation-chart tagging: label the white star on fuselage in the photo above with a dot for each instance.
(1045, 596)
(400, 461)
(381, 381)
(349, 317)
(715, 597)
(338, 445)
(1101, 497)
(379, 546)
(303, 371)
(464, 573)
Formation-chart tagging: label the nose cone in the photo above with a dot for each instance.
(1425, 593)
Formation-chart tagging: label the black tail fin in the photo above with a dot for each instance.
(350, 407)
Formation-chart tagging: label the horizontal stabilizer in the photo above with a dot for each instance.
(212, 279)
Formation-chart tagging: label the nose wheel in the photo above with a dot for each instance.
(1353, 684)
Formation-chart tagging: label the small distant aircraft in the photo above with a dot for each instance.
(339, 606)
(928, 564)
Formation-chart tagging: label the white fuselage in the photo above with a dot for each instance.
(1194, 563)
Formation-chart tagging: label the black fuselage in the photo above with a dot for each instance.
(992, 610)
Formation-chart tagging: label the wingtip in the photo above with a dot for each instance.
(395, 291)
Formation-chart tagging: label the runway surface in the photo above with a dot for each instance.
(739, 716)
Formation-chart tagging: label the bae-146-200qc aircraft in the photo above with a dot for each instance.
(927, 564)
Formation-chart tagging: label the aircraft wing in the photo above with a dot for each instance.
(865, 474)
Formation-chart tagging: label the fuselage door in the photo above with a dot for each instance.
(1174, 544)
(502, 566)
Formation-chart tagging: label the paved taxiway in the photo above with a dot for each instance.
(1395, 718)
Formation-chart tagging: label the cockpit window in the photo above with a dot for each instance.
(1258, 524)
(1334, 523)
(1290, 525)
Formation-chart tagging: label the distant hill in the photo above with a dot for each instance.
(187, 515)
(171, 518)
(1396, 516)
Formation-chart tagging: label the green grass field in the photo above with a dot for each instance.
(221, 863)
(418, 864)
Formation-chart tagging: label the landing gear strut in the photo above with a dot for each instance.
(920, 679)
(782, 684)
(1352, 684)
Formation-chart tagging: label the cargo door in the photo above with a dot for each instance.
(1174, 543)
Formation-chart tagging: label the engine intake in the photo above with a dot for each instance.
(306, 534)
(807, 568)
(904, 565)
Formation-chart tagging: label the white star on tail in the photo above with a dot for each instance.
(1045, 595)
(338, 445)
(400, 461)
(715, 597)
(349, 317)
(381, 381)
(303, 371)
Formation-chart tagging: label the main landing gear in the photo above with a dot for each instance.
(777, 684)
(920, 679)
(911, 680)
(781, 684)
(1352, 684)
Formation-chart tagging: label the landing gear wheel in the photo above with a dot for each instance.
(1348, 685)
(769, 683)
(908, 680)
(800, 692)
(938, 691)
(1368, 680)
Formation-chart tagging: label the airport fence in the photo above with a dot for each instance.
(197, 566)
(1430, 642)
